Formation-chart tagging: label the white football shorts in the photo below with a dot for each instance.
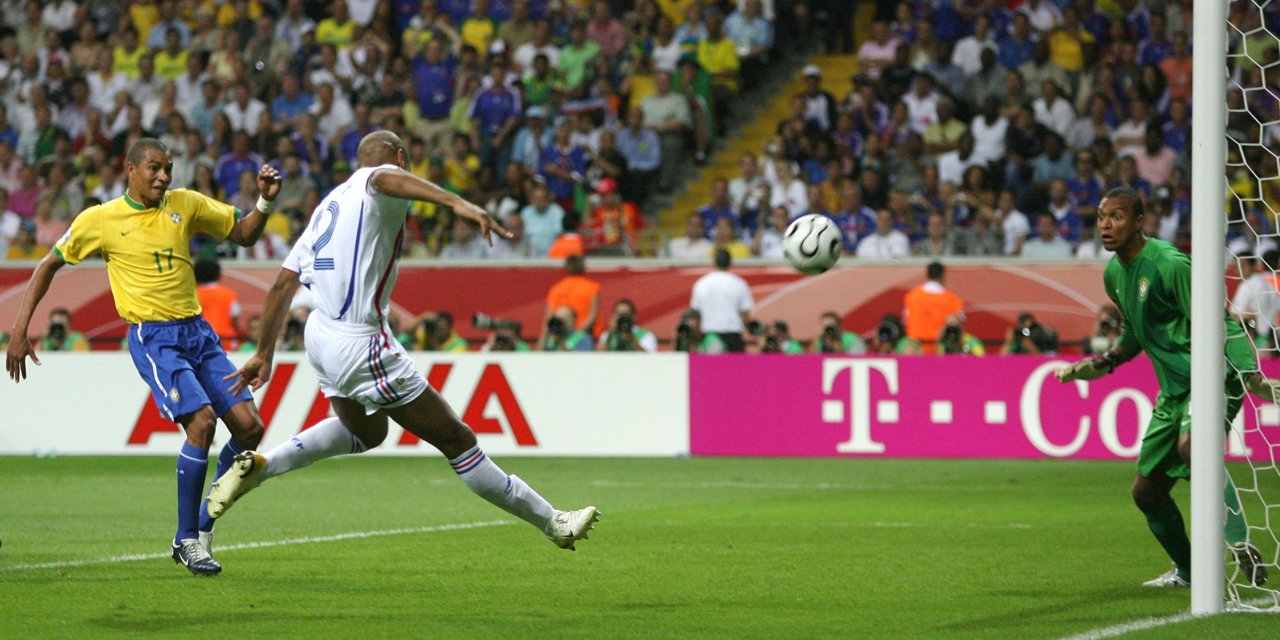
(361, 362)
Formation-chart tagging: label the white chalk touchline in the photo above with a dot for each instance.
(261, 545)
(1149, 623)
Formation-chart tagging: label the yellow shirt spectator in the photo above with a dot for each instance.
(642, 86)
(1067, 49)
(226, 12)
(675, 9)
(332, 33)
(18, 253)
(126, 62)
(170, 67)
(144, 16)
(719, 57)
(462, 174)
(478, 32)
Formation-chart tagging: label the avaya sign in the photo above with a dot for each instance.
(518, 404)
(927, 407)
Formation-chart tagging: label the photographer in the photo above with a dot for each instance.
(624, 334)
(294, 335)
(60, 337)
(691, 339)
(954, 340)
(435, 333)
(891, 337)
(505, 336)
(834, 339)
(560, 334)
(1030, 337)
(777, 338)
(1106, 332)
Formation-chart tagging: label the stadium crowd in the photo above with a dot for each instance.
(561, 117)
(981, 127)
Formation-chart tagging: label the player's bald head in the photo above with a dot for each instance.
(378, 148)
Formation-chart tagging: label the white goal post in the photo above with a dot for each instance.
(1208, 295)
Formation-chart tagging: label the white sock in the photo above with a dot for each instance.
(325, 440)
(508, 493)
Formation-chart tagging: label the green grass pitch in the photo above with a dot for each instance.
(686, 548)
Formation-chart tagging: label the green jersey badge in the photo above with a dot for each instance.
(1142, 289)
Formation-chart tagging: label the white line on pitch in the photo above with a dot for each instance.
(261, 545)
(1149, 623)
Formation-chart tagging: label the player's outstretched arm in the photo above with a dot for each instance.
(1095, 367)
(249, 228)
(257, 371)
(15, 361)
(399, 183)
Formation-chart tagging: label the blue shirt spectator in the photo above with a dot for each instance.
(286, 108)
(1153, 51)
(641, 147)
(1085, 191)
(1177, 137)
(493, 107)
(529, 143)
(711, 213)
(854, 226)
(231, 165)
(156, 38)
(434, 82)
(543, 223)
(748, 33)
(569, 158)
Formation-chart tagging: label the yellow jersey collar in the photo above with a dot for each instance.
(133, 203)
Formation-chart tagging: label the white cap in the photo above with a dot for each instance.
(812, 70)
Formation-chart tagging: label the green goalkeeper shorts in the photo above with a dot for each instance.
(1171, 418)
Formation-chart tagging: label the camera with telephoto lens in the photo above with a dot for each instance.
(503, 342)
(1108, 326)
(626, 323)
(57, 331)
(756, 328)
(889, 332)
(557, 327)
(430, 326)
(687, 331)
(951, 339)
(773, 337)
(487, 322)
(1044, 339)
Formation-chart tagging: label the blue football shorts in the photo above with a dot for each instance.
(184, 364)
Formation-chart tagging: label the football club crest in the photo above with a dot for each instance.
(177, 219)
(173, 395)
(1142, 289)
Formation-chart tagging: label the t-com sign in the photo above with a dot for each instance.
(949, 407)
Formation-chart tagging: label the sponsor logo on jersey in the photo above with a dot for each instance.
(1142, 288)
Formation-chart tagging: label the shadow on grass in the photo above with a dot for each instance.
(1080, 606)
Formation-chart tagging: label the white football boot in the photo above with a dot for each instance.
(1168, 579)
(567, 527)
(244, 476)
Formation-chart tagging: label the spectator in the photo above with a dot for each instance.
(832, 338)
(624, 334)
(434, 332)
(219, 303)
(878, 52)
(949, 77)
(944, 134)
(855, 219)
(467, 243)
(338, 30)
(10, 222)
(1067, 43)
(606, 30)
(1044, 16)
(752, 35)
(941, 239)
(60, 336)
(777, 339)
(541, 44)
(580, 294)
(291, 102)
(819, 104)
(1052, 110)
(642, 148)
(952, 165)
(1154, 159)
(494, 114)
(989, 130)
(575, 56)
(531, 139)
(1042, 69)
(22, 200)
(1054, 164)
(1093, 126)
(968, 50)
(1029, 337)
(24, 246)
(1157, 46)
(1177, 68)
(236, 162)
(694, 244)
(721, 206)
(1017, 48)
(518, 29)
(515, 247)
(954, 340)
(1132, 132)
(922, 104)
(768, 239)
(723, 300)
(988, 83)
(788, 190)
(886, 242)
(926, 307)
(1047, 244)
(719, 57)
(294, 24)
(544, 221)
(725, 237)
(244, 112)
(615, 224)
(669, 115)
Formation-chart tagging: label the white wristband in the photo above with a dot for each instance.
(265, 206)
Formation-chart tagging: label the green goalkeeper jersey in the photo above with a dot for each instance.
(1153, 293)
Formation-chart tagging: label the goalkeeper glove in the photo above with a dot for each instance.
(1088, 369)
(1259, 385)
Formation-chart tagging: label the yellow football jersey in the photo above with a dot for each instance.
(148, 250)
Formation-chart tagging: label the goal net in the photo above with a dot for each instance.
(1252, 177)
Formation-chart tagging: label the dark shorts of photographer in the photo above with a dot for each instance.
(733, 342)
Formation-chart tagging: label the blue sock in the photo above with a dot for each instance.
(193, 464)
(225, 458)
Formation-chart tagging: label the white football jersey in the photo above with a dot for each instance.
(348, 255)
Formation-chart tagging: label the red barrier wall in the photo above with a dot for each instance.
(1064, 296)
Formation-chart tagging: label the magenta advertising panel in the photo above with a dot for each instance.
(931, 407)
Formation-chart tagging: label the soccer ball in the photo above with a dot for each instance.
(812, 243)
